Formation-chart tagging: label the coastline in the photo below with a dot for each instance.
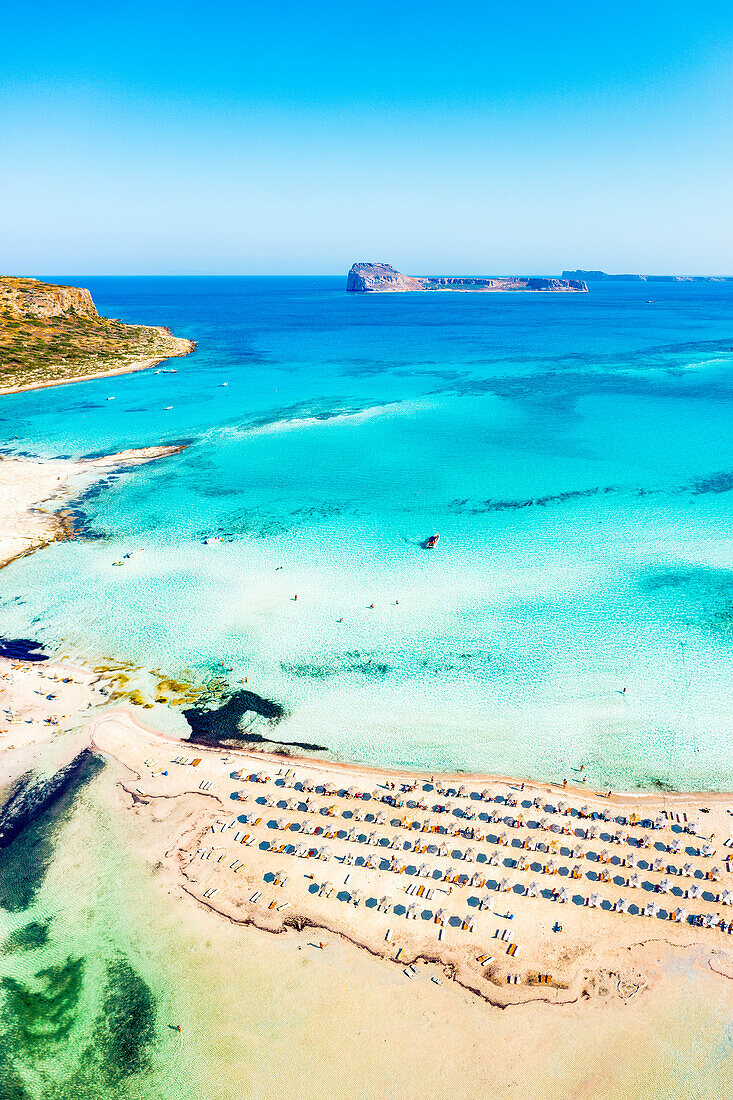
(34, 491)
(186, 348)
(605, 968)
(251, 872)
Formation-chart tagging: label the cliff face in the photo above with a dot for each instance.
(31, 298)
(369, 278)
(364, 277)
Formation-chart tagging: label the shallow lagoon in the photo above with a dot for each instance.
(573, 451)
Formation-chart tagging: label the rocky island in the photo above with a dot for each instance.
(604, 277)
(370, 278)
(53, 334)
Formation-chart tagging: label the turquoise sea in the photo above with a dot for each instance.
(574, 452)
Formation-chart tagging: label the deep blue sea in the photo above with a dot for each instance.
(574, 452)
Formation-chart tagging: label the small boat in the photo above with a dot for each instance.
(432, 542)
(212, 540)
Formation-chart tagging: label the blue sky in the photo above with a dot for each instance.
(234, 137)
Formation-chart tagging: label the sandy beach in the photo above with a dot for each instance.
(34, 492)
(519, 892)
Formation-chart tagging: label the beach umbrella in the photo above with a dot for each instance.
(411, 912)
(505, 885)
(687, 870)
(680, 914)
(664, 886)
(694, 890)
(714, 873)
(675, 845)
(440, 916)
(487, 902)
(657, 865)
(727, 897)
(707, 850)
(493, 860)
(563, 895)
(651, 909)
(594, 901)
(621, 905)
(532, 890)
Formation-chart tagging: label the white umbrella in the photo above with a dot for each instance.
(664, 886)
(621, 905)
(651, 909)
(563, 895)
(727, 897)
(594, 901)
(680, 914)
(633, 881)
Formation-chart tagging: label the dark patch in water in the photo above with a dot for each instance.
(22, 649)
(42, 1012)
(714, 483)
(661, 784)
(28, 822)
(28, 938)
(342, 664)
(222, 725)
(11, 1085)
(474, 507)
(703, 598)
(125, 1029)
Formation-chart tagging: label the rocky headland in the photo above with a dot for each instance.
(603, 276)
(50, 335)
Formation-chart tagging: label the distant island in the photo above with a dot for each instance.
(383, 278)
(603, 276)
(53, 334)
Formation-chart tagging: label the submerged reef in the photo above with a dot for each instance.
(29, 820)
(222, 724)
